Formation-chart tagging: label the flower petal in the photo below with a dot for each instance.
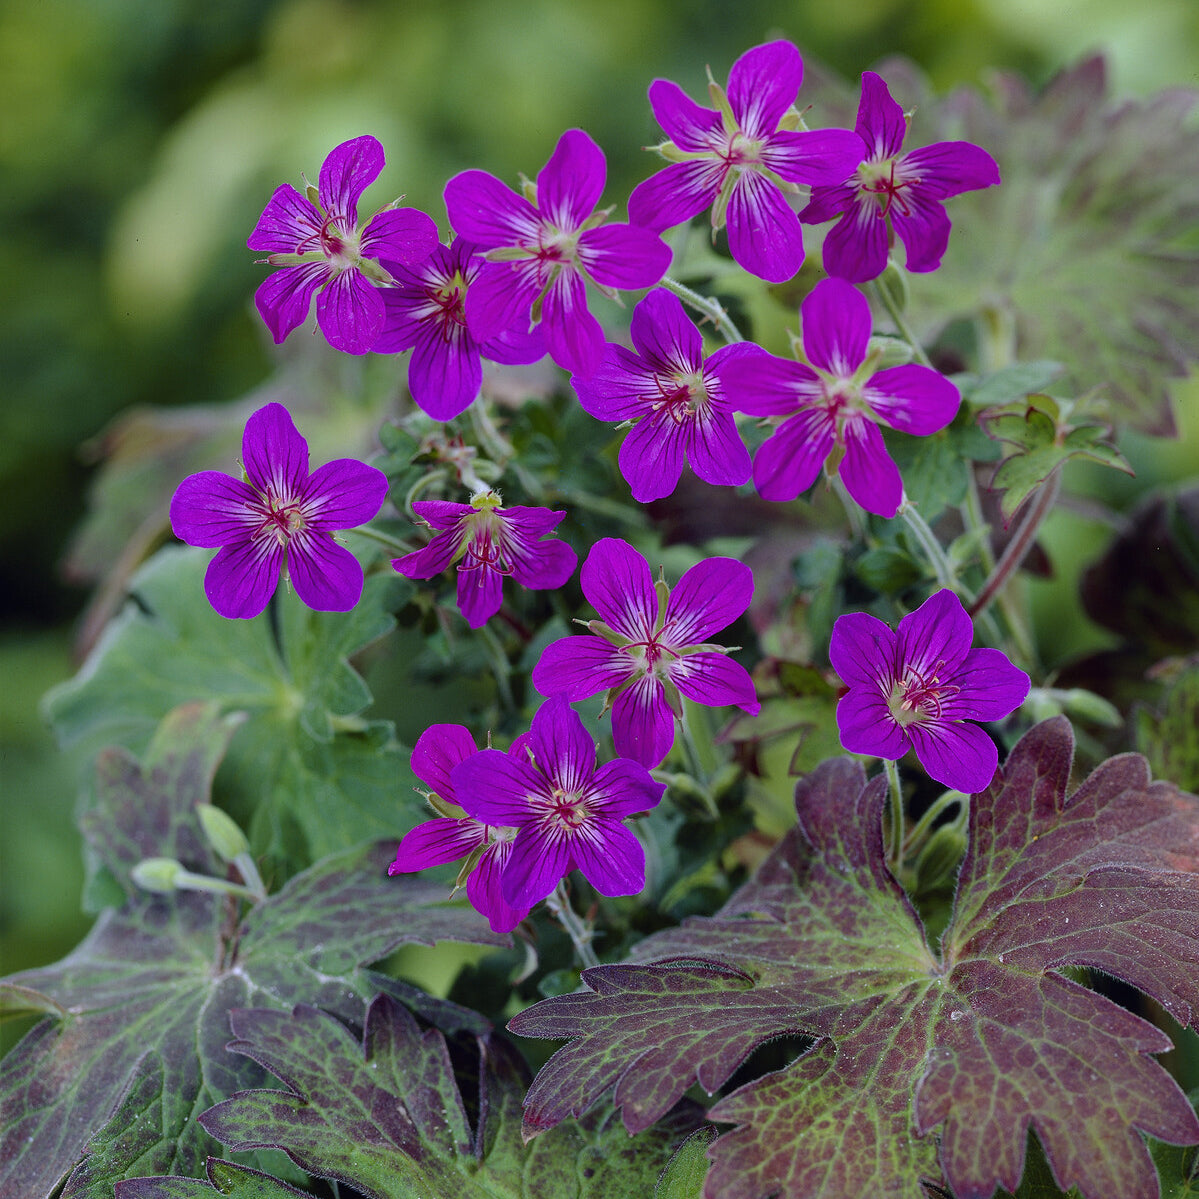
(826, 203)
(403, 235)
(617, 583)
(763, 84)
(664, 335)
(436, 842)
(350, 312)
(445, 371)
(515, 346)
(855, 248)
(880, 122)
(441, 514)
(561, 746)
(484, 210)
(348, 171)
(763, 385)
(480, 593)
(689, 125)
(437, 751)
(572, 335)
(212, 509)
(570, 184)
(949, 168)
(642, 722)
(923, 229)
(864, 651)
(959, 756)
(273, 453)
(542, 565)
(343, 495)
(990, 687)
(789, 461)
(610, 856)
(501, 298)
(935, 639)
(708, 598)
(715, 450)
(623, 788)
(765, 236)
(626, 256)
(869, 472)
(484, 889)
(836, 327)
(620, 388)
(651, 457)
(284, 298)
(912, 398)
(433, 559)
(580, 667)
(288, 221)
(241, 579)
(325, 575)
(815, 157)
(715, 680)
(496, 788)
(538, 859)
(676, 193)
(867, 727)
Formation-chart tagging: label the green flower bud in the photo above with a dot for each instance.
(222, 832)
(159, 875)
(938, 861)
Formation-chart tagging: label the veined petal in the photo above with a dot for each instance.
(242, 577)
(541, 565)
(789, 461)
(572, 335)
(436, 842)
(617, 583)
(880, 123)
(501, 298)
(642, 722)
(989, 687)
(433, 559)
(763, 385)
(515, 346)
(836, 327)
(610, 856)
(484, 889)
(539, 857)
(284, 298)
(912, 398)
(867, 727)
(441, 514)
(689, 125)
(765, 236)
(826, 203)
(522, 523)
(444, 372)
(651, 457)
(763, 84)
(625, 256)
(935, 639)
(288, 220)
(621, 388)
(437, 751)
(855, 248)
(708, 598)
(480, 594)
(869, 472)
(343, 495)
(484, 210)
(403, 235)
(570, 184)
(923, 229)
(816, 157)
(561, 746)
(665, 335)
(715, 450)
(623, 788)
(495, 788)
(211, 509)
(273, 453)
(676, 193)
(715, 680)
(580, 667)
(864, 651)
(348, 171)
(960, 756)
(326, 576)
(407, 313)
(949, 168)
(350, 312)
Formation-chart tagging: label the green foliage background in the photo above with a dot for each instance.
(141, 138)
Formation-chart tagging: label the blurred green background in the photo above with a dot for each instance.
(141, 138)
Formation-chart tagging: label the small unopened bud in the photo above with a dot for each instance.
(157, 874)
(889, 351)
(893, 283)
(222, 832)
(939, 858)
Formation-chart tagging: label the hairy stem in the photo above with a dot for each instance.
(895, 810)
(937, 559)
(905, 331)
(579, 932)
(384, 539)
(712, 309)
(920, 831)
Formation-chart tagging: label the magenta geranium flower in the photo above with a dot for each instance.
(278, 519)
(315, 238)
(569, 812)
(489, 542)
(426, 313)
(446, 839)
(741, 158)
(542, 248)
(893, 194)
(676, 398)
(651, 646)
(831, 406)
(919, 686)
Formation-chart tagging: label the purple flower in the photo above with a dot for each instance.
(892, 193)
(831, 405)
(742, 158)
(651, 646)
(675, 397)
(437, 751)
(316, 240)
(278, 518)
(489, 542)
(426, 313)
(570, 814)
(543, 246)
(916, 688)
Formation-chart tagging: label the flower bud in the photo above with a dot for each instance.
(938, 861)
(222, 832)
(157, 874)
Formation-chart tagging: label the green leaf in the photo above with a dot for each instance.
(925, 1066)
(1041, 440)
(1011, 383)
(684, 1175)
(306, 772)
(1169, 735)
(226, 1178)
(159, 975)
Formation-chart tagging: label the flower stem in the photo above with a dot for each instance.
(936, 556)
(711, 308)
(857, 526)
(920, 831)
(893, 311)
(895, 809)
(384, 539)
(579, 932)
(500, 666)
